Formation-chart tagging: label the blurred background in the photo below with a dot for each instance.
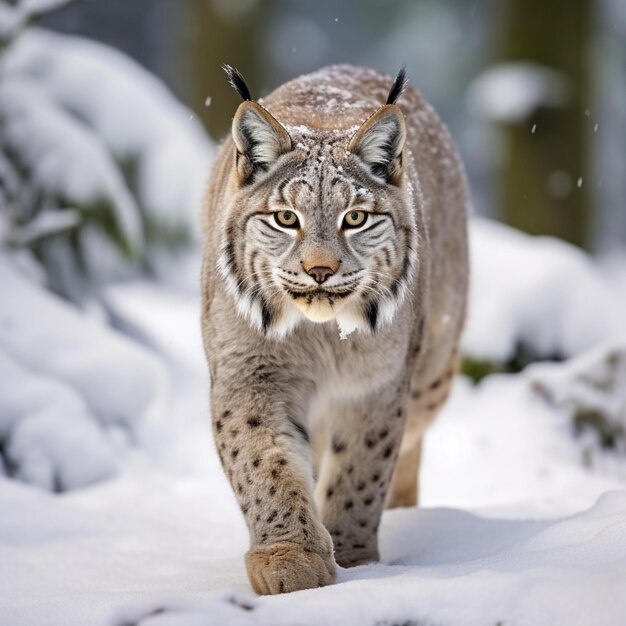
(533, 92)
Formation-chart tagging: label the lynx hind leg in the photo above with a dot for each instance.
(355, 472)
(426, 399)
(404, 490)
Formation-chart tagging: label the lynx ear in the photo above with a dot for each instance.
(260, 139)
(380, 141)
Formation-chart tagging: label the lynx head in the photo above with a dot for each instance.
(319, 223)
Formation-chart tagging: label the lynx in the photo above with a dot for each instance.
(334, 292)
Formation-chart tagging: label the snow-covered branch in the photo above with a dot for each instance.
(14, 18)
(44, 225)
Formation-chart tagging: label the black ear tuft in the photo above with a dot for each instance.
(399, 85)
(237, 81)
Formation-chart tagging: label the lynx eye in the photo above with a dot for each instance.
(287, 219)
(354, 219)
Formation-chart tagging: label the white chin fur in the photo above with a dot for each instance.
(348, 322)
(317, 311)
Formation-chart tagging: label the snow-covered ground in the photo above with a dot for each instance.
(522, 522)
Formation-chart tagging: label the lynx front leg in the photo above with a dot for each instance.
(356, 471)
(264, 457)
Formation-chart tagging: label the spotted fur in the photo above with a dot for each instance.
(330, 348)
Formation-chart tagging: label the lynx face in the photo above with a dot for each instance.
(319, 225)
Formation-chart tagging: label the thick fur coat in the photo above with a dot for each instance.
(334, 292)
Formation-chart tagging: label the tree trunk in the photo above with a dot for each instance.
(543, 187)
(219, 32)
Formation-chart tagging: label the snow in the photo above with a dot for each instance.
(9, 181)
(511, 92)
(62, 157)
(44, 225)
(120, 381)
(41, 6)
(52, 440)
(161, 547)
(73, 391)
(131, 111)
(91, 128)
(15, 17)
(591, 391)
(515, 527)
(536, 291)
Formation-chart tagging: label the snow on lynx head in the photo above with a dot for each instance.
(319, 222)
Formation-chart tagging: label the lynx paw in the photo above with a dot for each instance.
(357, 557)
(286, 566)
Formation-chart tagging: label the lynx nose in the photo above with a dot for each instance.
(320, 274)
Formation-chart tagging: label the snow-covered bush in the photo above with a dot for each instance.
(533, 299)
(49, 437)
(541, 299)
(70, 388)
(101, 176)
(591, 391)
(101, 169)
